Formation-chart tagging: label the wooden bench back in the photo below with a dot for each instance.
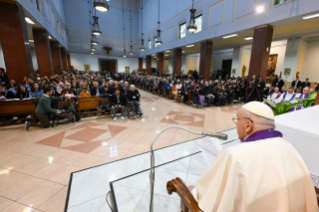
(88, 103)
(21, 107)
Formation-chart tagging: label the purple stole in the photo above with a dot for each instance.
(264, 134)
(293, 96)
(278, 95)
(300, 106)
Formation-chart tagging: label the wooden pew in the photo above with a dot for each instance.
(19, 107)
(189, 97)
(88, 103)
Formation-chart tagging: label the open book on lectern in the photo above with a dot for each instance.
(210, 148)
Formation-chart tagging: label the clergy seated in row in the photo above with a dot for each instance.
(301, 97)
(275, 96)
(288, 96)
(264, 173)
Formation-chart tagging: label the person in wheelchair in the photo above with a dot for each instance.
(117, 102)
(44, 110)
(133, 98)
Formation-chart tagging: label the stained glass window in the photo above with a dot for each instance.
(182, 30)
(198, 23)
(155, 39)
(149, 44)
(276, 2)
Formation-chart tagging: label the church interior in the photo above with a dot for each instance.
(157, 105)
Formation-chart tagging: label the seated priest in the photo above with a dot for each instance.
(275, 96)
(264, 173)
(288, 96)
(300, 98)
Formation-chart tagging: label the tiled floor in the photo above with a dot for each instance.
(35, 166)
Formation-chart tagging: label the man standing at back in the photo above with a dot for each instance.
(264, 173)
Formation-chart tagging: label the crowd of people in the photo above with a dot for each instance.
(121, 91)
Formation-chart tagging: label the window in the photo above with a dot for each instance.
(182, 30)
(155, 39)
(198, 23)
(38, 3)
(276, 2)
(149, 44)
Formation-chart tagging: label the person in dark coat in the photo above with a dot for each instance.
(3, 77)
(117, 102)
(260, 89)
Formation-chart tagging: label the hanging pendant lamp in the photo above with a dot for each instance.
(159, 39)
(94, 40)
(124, 55)
(191, 26)
(142, 45)
(92, 52)
(124, 49)
(93, 49)
(96, 28)
(131, 50)
(101, 5)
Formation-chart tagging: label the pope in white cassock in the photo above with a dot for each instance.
(264, 173)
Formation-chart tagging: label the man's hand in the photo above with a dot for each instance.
(134, 97)
(58, 112)
(119, 106)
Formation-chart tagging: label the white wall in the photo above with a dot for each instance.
(79, 60)
(219, 56)
(310, 67)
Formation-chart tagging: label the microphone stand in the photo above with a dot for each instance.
(152, 172)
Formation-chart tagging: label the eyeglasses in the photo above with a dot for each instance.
(235, 119)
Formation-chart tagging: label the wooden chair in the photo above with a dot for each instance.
(64, 104)
(189, 98)
(170, 95)
(103, 101)
(188, 202)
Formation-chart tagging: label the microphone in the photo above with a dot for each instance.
(221, 136)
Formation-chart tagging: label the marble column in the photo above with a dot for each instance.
(43, 52)
(160, 63)
(149, 64)
(177, 61)
(64, 59)
(15, 42)
(140, 63)
(206, 51)
(260, 51)
(56, 57)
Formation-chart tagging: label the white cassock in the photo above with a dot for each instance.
(261, 176)
(274, 98)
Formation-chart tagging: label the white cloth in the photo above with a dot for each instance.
(288, 97)
(265, 175)
(274, 98)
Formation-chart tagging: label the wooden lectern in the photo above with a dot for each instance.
(188, 202)
(317, 99)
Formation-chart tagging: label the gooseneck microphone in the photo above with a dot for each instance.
(152, 172)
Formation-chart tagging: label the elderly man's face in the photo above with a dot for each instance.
(244, 126)
(305, 90)
(96, 85)
(132, 88)
(61, 84)
(276, 90)
(290, 90)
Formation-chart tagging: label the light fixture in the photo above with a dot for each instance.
(183, 51)
(166, 55)
(191, 26)
(313, 15)
(49, 37)
(259, 9)
(153, 54)
(93, 48)
(142, 49)
(159, 39)
(168, 51)
(96, 28)
(92, 52)
(229, 36)
(190, 46)
(124, 54)
(101, 6)
(131, 50)
(31, 41)
(142, 45)
(94, 40)
(248, 38)
(131, 47)
(27, 19)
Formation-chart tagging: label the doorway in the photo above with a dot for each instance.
(226, 68)
(108, 65)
